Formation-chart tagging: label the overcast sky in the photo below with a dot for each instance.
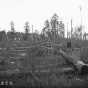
(37, 11)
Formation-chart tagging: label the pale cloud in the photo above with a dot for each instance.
(37, 11)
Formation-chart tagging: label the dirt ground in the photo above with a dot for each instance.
(40, 69)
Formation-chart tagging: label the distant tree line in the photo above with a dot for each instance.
(53, 30)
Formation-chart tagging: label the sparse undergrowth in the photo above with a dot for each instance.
(43, 67)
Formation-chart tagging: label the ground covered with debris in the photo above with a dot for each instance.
(27, 65)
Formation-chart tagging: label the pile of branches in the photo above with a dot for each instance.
(38, 51)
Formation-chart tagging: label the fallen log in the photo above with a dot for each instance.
(77, 63)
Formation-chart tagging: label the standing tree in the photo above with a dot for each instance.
(78, 33)
(12, 34)
(26, 27)
(61, 29)
(46, 30)
(46, 27)
(54, 24)
(47, 23)
(12, 27)
(52, 28)
(26, 30)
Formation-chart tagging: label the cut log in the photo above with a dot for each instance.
(79, 65)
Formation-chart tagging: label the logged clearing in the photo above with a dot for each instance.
(39, 64)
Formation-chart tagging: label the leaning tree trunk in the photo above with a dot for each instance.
(76, 61)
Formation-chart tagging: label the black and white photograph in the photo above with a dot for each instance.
(43, 43)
